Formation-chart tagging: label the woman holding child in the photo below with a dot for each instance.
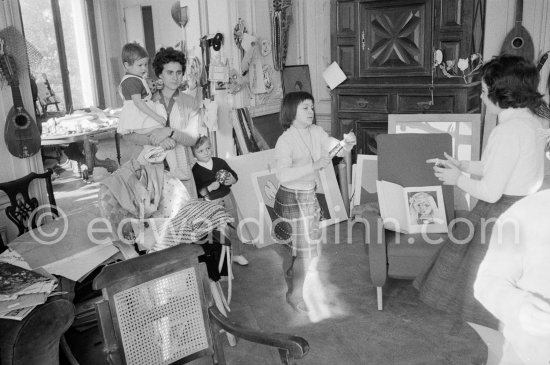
(511, 167)
(180, 111)
(182, 129)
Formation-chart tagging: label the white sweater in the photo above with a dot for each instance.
(513, 161)
(517, 266)
(296, 150)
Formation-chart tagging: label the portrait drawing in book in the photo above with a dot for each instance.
(423, 207)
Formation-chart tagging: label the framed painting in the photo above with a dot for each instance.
(465, 130)
(265, 186)
(366, 174)
(296, 78)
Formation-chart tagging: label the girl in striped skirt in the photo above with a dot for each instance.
(300, 152)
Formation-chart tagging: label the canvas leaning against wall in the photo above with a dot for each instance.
(254, 202)
(328, 195)
(243, 192)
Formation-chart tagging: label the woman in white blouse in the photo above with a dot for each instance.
(180, 109)
(511, 167)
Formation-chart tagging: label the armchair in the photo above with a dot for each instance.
(402, 160)
(157, 309)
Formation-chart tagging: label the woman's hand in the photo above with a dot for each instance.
(322, 163)
(159, 135)
(462, 165)
(168, 144)
(450, 161)
(534, 315)
(449, 175)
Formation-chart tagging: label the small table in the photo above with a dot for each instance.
(85, 138)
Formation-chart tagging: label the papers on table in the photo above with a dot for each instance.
(66, 246)
(12, 257)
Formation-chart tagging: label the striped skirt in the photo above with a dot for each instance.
(297, 221)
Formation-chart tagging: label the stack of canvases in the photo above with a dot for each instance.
(244, 135)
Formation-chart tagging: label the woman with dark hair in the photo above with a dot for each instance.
(511, 167)
(300, 152)
(182, 127)
(180, 110)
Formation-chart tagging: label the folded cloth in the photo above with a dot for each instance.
(193, 222)
(137, 188)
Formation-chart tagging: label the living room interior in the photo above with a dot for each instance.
(72, 52)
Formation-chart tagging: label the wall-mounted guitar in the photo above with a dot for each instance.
(518, 42)
(21, 131)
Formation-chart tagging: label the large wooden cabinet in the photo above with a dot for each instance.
(385, 48)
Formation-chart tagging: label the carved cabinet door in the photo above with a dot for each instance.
(395, 38)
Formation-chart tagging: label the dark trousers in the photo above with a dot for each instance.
(294, 271)
(212, 253)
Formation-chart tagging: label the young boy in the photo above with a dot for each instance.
(213, 178)
(141, 115)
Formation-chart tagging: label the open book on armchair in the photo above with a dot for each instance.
(412, 209)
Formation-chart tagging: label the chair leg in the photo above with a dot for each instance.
(379, 297)
(217, 296)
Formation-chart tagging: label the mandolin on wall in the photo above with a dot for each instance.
(21, 132)
(518, 41)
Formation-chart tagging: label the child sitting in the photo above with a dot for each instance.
(139, 114)
(213, 178)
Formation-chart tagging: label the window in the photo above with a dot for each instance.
(60, 33)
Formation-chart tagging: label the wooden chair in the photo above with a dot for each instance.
(22, 211)
(22, 205)
(158, 309)
(402, 160)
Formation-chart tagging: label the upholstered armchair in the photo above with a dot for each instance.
(402, 160)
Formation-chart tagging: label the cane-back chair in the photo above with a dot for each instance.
(158, 309)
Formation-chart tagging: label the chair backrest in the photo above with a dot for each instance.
(22, 205)
(156, 308)
(402, 160)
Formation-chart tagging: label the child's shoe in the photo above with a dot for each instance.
(240, 259)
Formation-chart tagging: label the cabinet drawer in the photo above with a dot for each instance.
(421, 103)
(361, 103)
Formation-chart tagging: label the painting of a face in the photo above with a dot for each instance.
(266, 47)
(423, 207)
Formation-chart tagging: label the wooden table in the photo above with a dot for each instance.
(86, 138)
